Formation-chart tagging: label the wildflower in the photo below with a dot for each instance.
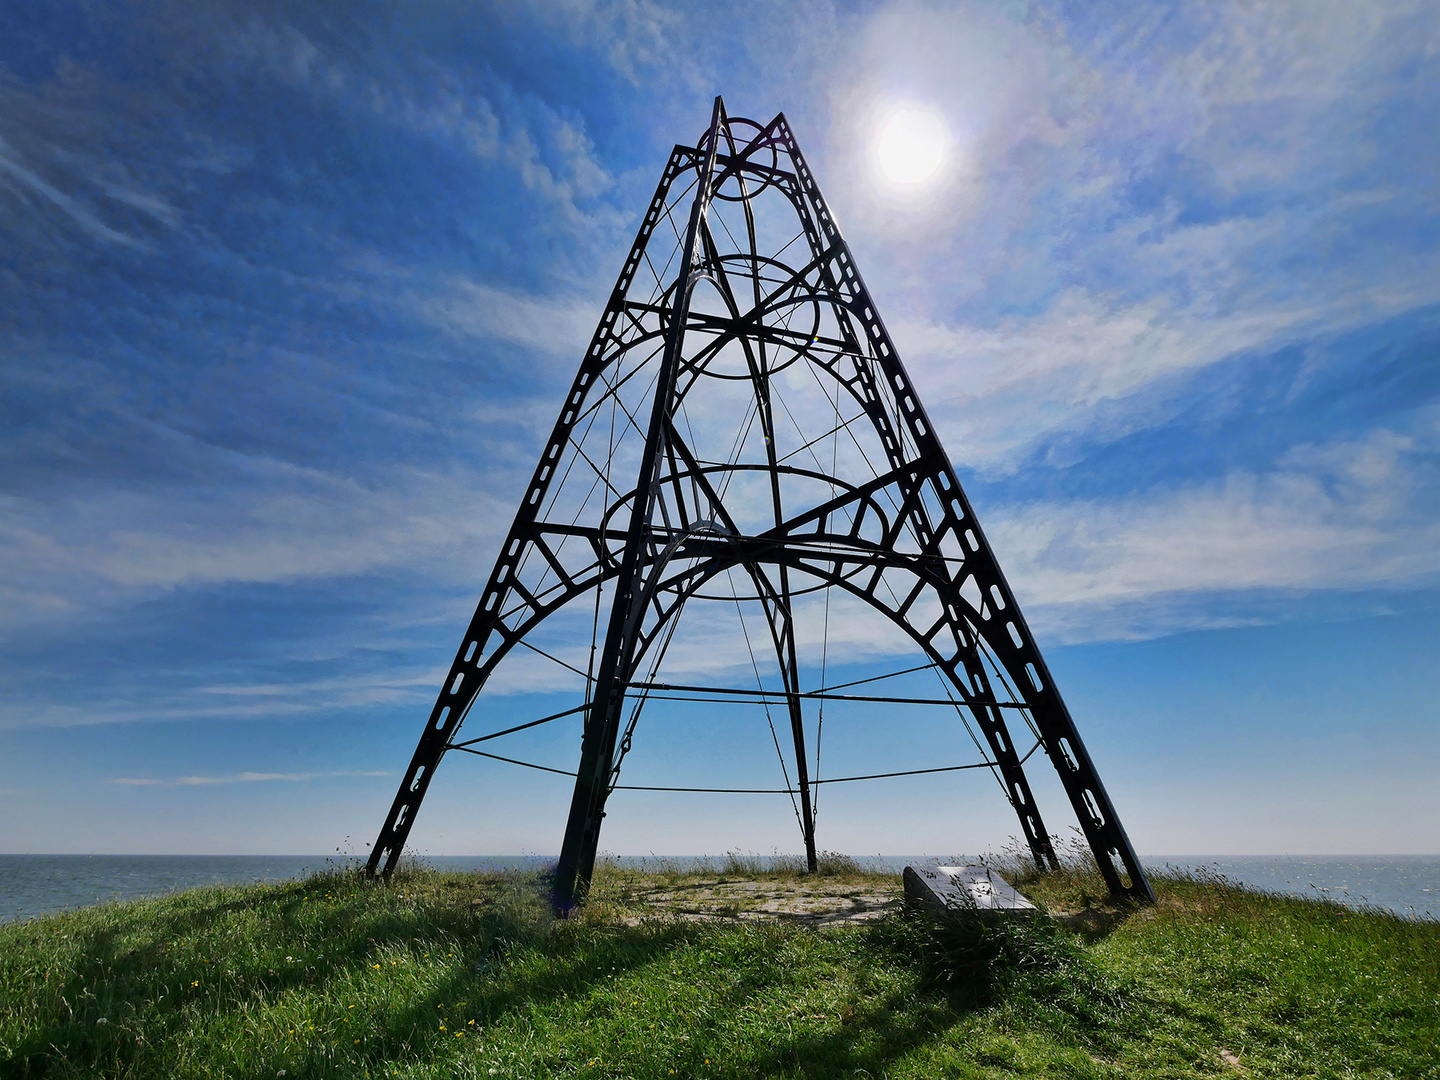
(195, 983)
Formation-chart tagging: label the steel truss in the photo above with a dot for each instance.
(892, 529)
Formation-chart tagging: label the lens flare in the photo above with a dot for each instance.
(912, 146)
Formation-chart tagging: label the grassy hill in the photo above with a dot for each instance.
(456, 975)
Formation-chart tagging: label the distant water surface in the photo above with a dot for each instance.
(32, 885)
(1408, 885)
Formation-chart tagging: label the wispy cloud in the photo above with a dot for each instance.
(1131, 201)
(405, 686)
(996, 391)
(273, 523)
(25, 182)
(636, 37)
(546, 152)
(556, 326)
(1344, 516)
(242, 778)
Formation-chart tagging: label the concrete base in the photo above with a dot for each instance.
(951, 888)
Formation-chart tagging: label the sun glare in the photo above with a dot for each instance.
(912, 145)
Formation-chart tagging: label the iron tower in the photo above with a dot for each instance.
(742, 435)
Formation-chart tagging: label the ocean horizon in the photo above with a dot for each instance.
(34, 885)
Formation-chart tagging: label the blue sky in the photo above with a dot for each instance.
(289, 296)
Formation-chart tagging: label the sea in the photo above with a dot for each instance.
(36, 885)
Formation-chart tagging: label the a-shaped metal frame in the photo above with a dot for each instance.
(901, 537)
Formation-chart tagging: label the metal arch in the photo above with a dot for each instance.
(842, 549)
(928, 506)
(976, 694)
(722, 551)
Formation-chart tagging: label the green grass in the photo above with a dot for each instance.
(451, 975)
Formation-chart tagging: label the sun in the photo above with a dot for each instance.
(911, 146)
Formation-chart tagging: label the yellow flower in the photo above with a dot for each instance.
(195, 983)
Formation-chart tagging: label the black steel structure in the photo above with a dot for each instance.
(742, 431)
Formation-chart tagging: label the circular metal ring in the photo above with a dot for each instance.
(734, 142)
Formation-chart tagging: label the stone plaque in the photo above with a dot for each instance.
(946, 888)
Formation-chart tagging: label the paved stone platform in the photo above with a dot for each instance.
(815, 902)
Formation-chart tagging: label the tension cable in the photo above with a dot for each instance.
(792, 792)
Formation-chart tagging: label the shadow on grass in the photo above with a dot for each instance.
(132, 978)
(142, 968)
(740, 1013)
